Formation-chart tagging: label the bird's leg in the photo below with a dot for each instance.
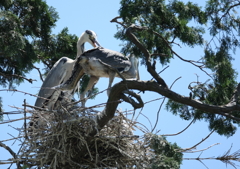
(92, 81)
(112, 75)
(53, 99)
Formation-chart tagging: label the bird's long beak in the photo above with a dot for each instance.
(96, 43)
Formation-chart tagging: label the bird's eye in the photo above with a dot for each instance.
(91, 37)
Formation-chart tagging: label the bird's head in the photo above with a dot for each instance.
(91, 37)
(87, 36)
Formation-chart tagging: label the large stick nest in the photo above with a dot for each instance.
(61, 140)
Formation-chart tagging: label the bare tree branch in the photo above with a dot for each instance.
(227, 158)
(15, 90)
(11, 152)
(44, 61)
(116, 20)
(162, 105)
(180, 131)
(40, 74)
(159, 86)
(10, 121)
(25, 120)
(118, 88)
(202, 149)
(8, 149)
(186, 149)
(18, 76)
(227, 12)
(146, 53)
(131, 101)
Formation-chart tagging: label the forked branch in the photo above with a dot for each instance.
(146, 53)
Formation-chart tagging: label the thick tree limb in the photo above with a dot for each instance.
(113, 100)
(117, 92)
(136, 105)
(117, 89)
(162, 89)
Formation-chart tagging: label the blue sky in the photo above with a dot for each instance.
(79, 16)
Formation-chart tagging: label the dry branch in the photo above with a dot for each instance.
(193, 147)
(182, 130)
(11, 152)
(146, 53)
(17, 76)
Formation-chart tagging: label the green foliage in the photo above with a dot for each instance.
(169, 20)
(219, 91)
(173, 20)
(216, 92)
(184, 111)
(20, 22)
(25, 167)
(62, 44)
(166, 154)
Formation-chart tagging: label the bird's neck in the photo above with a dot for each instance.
(80, 47)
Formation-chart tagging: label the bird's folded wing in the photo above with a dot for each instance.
(109, 57)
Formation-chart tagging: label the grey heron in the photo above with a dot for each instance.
(60, 72)
(101, 62)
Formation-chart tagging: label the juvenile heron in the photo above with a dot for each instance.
(60, 72)
(101, 62)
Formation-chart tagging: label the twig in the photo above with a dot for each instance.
(18, 76)
(13, 112)
(35, 107)
(44, 62)
(116, 20)
(163, 70)
(131, 101)
(8, 149)
(159, 54)
(189, 61)
(201, 149)
(226, 158)
(10, 121)
(229, 10)
(11, 139)
(203, 163)
(15, 90)
(143, 124)
(153, 100)
(144, 50)
(146, 53)
(183, 150)
(180, 131)
(162, 105)
(39, 73)
(12, 153)
(25, 120)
